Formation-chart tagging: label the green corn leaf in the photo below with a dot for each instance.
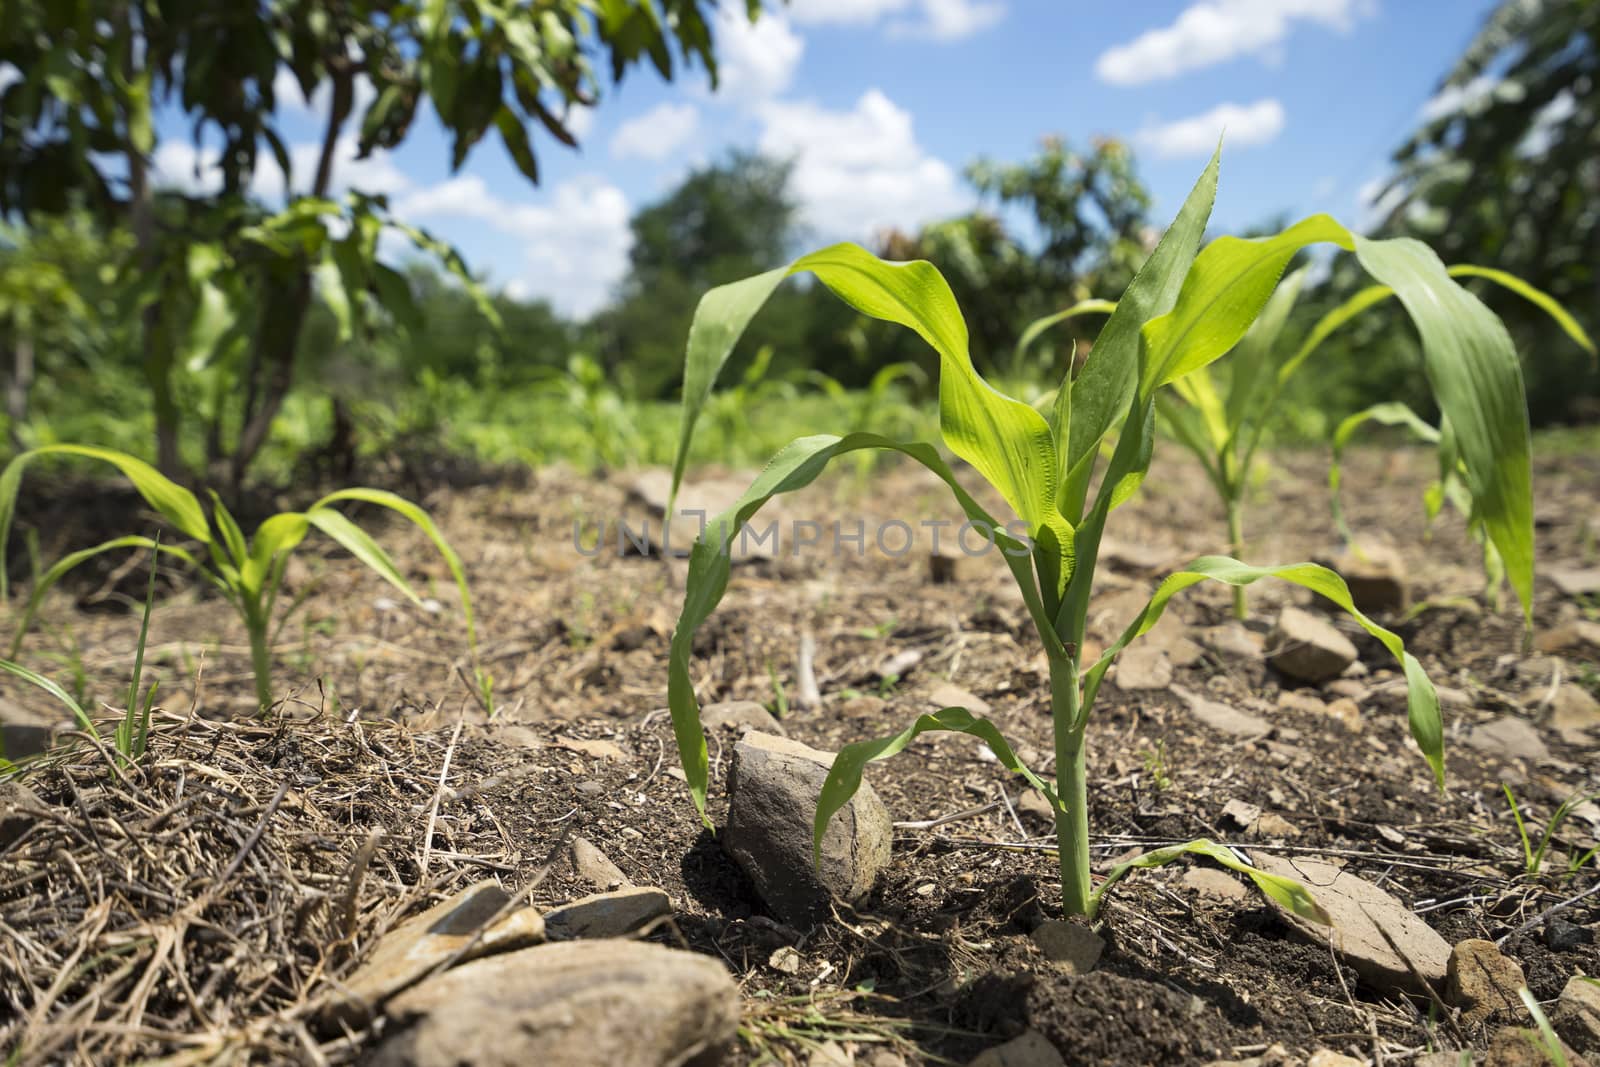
(1286, 891)
(1104, 390)
(174, 502)
(1422, 701)
(1534, 295)
(359, 544)
(419, 518)
(844, 777)
(275, 538)
(1225, 291)
(232, 537)
(1199, 391)
(39, 680)
(1251, 362)
(793, 468)
(1189, 430)
(1477, 381)
(1361, 301)
(65, 564)
(1007, 441)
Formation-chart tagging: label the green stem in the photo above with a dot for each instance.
(1241, 603)
(1072, 824)
(260, 659)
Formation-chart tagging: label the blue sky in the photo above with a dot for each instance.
(882, 102)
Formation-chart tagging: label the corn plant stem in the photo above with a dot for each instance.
(1072, 818)
(1241, 602)
(260, 658)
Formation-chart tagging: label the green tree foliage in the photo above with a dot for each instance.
(1506, 173)
(222, 284)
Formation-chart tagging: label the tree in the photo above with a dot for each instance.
(1505, 172)
(222, 280)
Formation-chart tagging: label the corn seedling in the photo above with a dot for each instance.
(1533, 855)
(248, 573)
(133, 732)
(1223, 425)
(1185, 309)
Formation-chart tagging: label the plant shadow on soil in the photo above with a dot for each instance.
(937, 964)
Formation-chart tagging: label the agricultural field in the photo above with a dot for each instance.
(761, 598)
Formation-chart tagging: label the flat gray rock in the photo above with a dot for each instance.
(1365, 920)
(421, 943)
(1142, 667)
(595, 867)
(950, 695)
(742, 715)
(1221, 717)
(1509, 736)
(1030, 1049)
(1072, 947)
(620, 1003)
(773, 786)
(1574, 714)
(698, 503)
(1308, 647)
(1575, 581)
(614, 914)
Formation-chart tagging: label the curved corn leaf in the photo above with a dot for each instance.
(232, 537)
(1252, 358)
(1100, 397)
(1286, 891)
(1005, 440)
(54, 690)
(1037, 328)
(62, 566)
(419, 518)
(844, 776)
(173, 501)
(360, 544)
(1422, 702)
(1534, 295)
(1468, 356)
(794, 467)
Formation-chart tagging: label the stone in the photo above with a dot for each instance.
(1376, 577)
(1274, 826)
(595, 749)
(743, 715)
(620, 1003)
(785, 959)
(1481, 981)
(698, 503)
(830, 1054)
(1360, 915)
(1325, 1057)
(1125, 555)
(613, 914)
(1033, 802)
(595, 867)
(1072, 947)
(1574, 714)
(1233, 641)
(17, 806)
(1576, 1015)
(1575, 581)
(1308, 647)
(1142, 667)
(25, 732)
(1508, 736)
(1210, 882)
(1443, 1059)
(950, 695)
(1241, 813)
(1301, 701)
(1517, 1046)
(1562, 936)
(1581, 638)
(418, 945)
(944, 565)
(1345, 712)
(1031, 1049)
(1223, 718)
(773, 787)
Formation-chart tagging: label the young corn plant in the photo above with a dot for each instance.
(1184, 310)
(1223, 425)
(249, 573)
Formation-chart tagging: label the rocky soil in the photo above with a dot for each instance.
(384, 872)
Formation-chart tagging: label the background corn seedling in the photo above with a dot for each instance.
(249, 573)
(1223, 424)
(1183, 311)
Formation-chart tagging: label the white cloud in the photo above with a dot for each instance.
(1209, 32)
(657, 133)
(860, 170)
(580, 120)
(576, 242)
(952, 20)
(1197, 135)
(942, 20)
(179, 165)
(755, 61)
(286, 93)
(1457, 98)
(1376, 200)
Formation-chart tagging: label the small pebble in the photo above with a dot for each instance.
(1562, 936)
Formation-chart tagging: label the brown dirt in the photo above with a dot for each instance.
(937, 964)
